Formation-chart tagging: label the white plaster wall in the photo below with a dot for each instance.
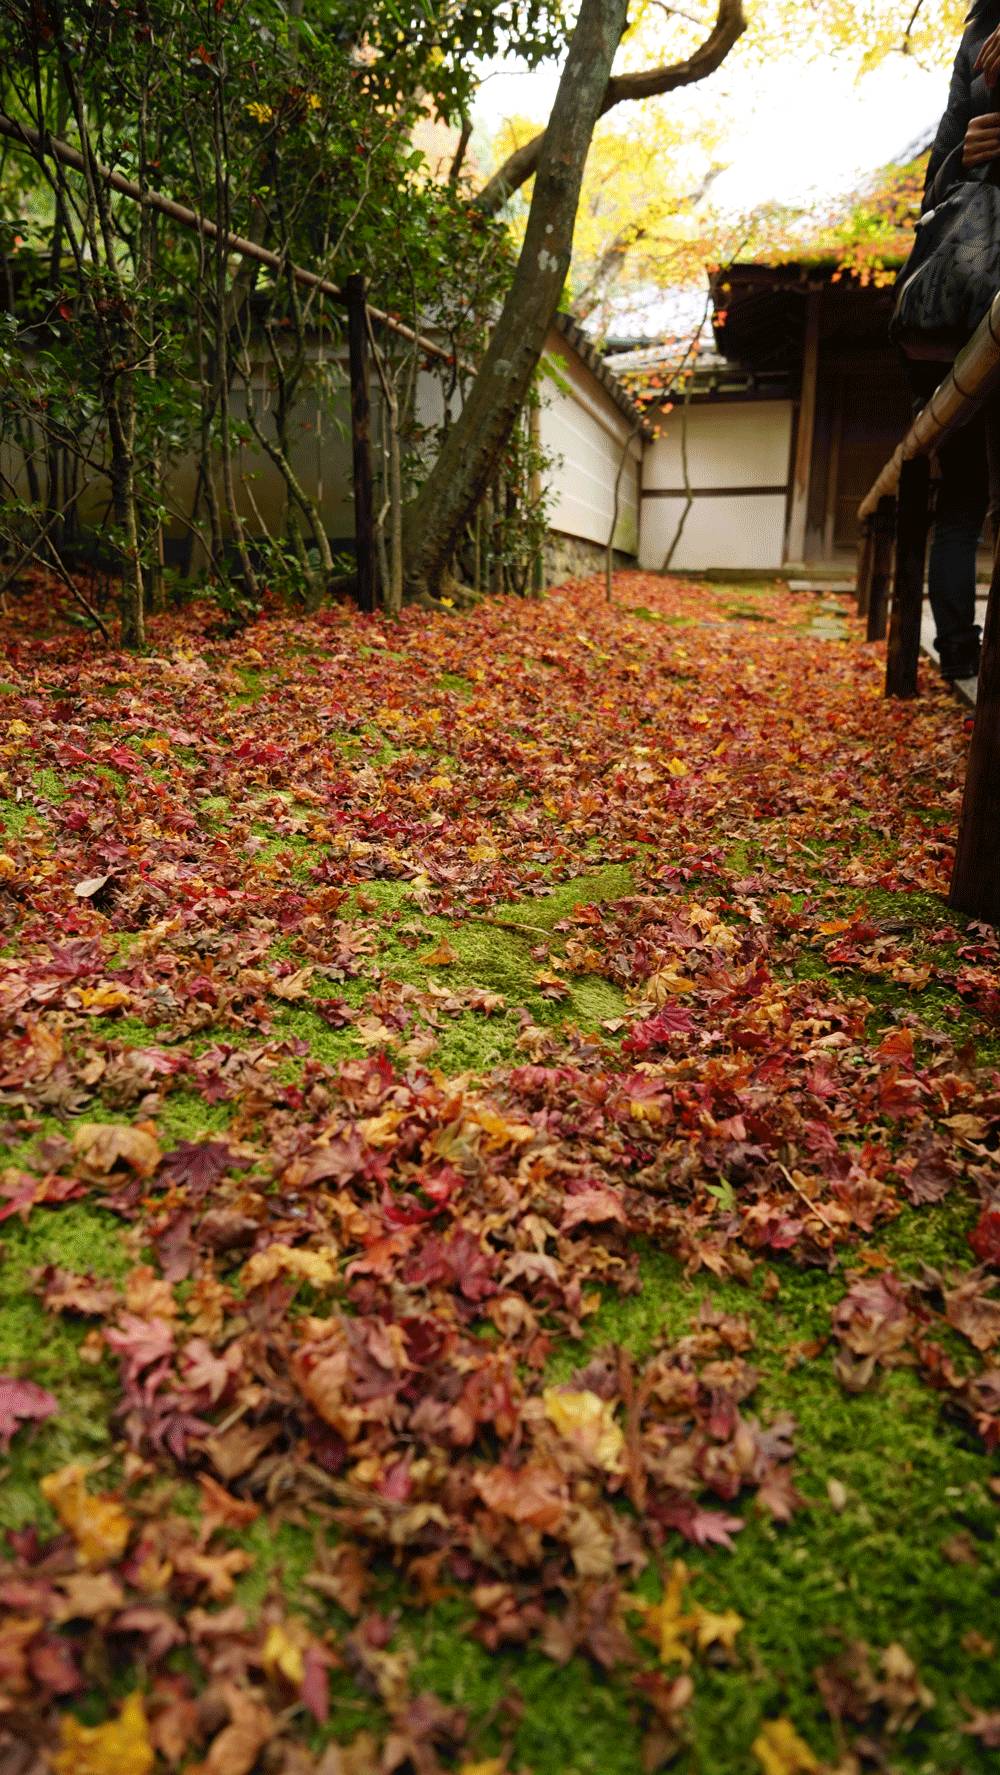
(583, 429)
(747, 531)
(732, 444)
(579, 424)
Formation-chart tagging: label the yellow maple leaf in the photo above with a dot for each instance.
(282, 1655)
(677, 767)
(715, 1630)
(119, 1747)
(588, 1422)
(380, 1130)
(665, 1622)
(104, 997)
(780, 1751)
(499, 1132)
(667, 983)
(98, 1525)
(316, 1267)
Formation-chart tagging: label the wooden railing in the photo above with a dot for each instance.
(892, 553)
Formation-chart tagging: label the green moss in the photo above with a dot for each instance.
(46, 1347)
(254, 686)
(454, 682)
(329, 1046)
(49, 784)
(873, 1570)
(283, 1554)
(186, 1116)
(14, 816)
(576, 1720)
(128, 1032)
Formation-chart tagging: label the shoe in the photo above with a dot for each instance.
(959, 655)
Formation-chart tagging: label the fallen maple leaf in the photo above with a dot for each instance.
(985, 1237)
(293, 986)
(316, 1267)
(984, 1725)
(780, 1751)
(665, 1622)
(22, 1402)
(91, 885)
(102, 1146)
(97, 1523)
(283, 1653)
(120, 1747)
(588, 1423)
(443, 955)
(716, 1630)
(532, 1494)
(236, 1748)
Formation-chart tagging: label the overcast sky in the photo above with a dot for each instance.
(809, 133)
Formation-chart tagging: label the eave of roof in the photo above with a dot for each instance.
(584, 347)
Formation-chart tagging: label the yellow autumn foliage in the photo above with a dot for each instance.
(780, 1751)
(588, 1422)
(98, 1524)
(119, 1747)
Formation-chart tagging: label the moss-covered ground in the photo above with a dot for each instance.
(895, 1538)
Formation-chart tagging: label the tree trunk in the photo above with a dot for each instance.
(468, 460)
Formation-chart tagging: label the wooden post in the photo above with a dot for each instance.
(805, 431)
(908, 582)
(883, 546)
(361, 441)
(537, 583)
(975, 880)
(863, 575)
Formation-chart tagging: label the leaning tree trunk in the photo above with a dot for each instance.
(445, 503)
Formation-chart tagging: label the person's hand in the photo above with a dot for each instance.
(982, 140)
(988, 59)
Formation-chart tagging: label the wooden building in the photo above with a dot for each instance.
(783, 427)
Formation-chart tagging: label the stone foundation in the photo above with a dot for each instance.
(571, 557)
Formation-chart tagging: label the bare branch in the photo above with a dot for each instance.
(463, 143)
(645, 83)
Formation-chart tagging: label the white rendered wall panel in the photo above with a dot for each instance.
(584, 431)
(730, 445)
(745, 530)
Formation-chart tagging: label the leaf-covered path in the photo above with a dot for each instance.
(501, 1212)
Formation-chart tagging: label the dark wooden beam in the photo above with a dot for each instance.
(883, 548)
(361, 441)
(863, 576)
(908, 581)
(975, 881)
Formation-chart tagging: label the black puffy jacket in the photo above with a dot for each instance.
(968, 97)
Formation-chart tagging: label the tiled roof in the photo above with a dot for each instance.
(584, 347)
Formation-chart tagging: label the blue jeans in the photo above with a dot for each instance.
(960, 507)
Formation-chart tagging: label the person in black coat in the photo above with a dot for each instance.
(968, 137)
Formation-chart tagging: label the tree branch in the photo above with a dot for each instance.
(645, 83)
